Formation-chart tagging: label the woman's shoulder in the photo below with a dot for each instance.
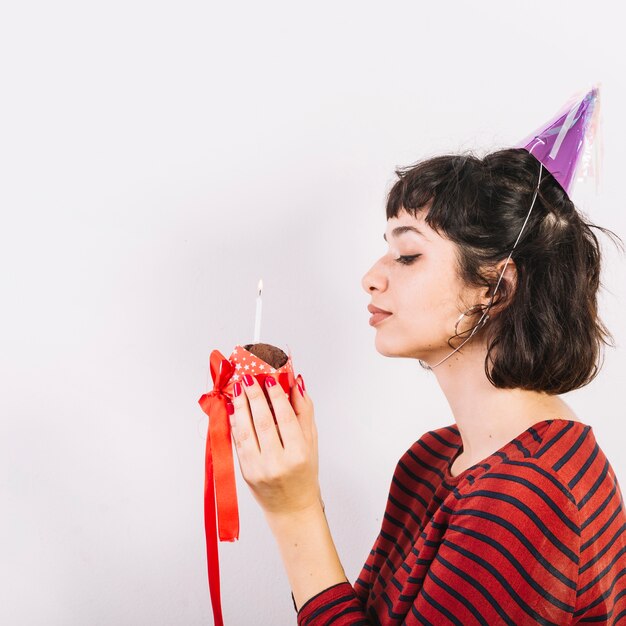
(555, 454)
(565, 457)
(569, 448)
(571, 451)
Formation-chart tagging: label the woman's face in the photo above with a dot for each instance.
(423, 293)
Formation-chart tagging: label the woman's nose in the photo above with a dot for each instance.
(374, 278)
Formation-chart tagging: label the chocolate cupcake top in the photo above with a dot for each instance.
(270, 354)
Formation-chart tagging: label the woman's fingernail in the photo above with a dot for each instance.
(269, 381)
(237, 389)
(302, 381)
(231, 413)
(300, 388)
(247, 380)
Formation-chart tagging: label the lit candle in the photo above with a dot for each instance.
(257, 319)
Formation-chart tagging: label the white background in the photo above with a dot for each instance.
(156, 160)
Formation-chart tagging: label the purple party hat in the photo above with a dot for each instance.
(564, 144)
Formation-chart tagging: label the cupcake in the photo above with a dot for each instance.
(261, 360)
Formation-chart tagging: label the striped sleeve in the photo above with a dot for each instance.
(509, 554)
(338, 605)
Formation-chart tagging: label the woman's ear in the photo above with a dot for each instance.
(506, 289)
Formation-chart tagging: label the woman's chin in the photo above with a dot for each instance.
(400, 350)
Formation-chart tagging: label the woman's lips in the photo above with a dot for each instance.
(379, 317)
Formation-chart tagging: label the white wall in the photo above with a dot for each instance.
(156, 159)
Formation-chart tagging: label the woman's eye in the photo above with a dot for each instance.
(407, 260)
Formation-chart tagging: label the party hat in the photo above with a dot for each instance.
(569, 144)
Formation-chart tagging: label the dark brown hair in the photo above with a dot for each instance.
(544, 333)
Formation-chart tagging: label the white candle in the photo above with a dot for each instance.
(257, 319)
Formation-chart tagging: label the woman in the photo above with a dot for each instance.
(512, 515)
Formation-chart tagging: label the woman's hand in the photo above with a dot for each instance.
(279, 462)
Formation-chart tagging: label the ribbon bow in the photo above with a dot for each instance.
(219, 474)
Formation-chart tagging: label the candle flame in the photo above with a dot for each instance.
(260, 286)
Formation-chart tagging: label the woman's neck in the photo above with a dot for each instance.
(488, 417)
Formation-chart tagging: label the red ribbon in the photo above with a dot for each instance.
(219, 478)
(219, 475)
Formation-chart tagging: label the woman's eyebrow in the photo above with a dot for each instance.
(399, 230)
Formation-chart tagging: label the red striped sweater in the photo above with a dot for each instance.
(535, 534)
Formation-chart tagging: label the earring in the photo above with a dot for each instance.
(481, 322)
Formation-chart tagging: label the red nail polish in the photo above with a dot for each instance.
(237, 389)
(230, 408)
(300, 389)
(269, 381)
(247, 380)
(302, 381)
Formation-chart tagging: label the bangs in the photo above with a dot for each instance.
(445, 188)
